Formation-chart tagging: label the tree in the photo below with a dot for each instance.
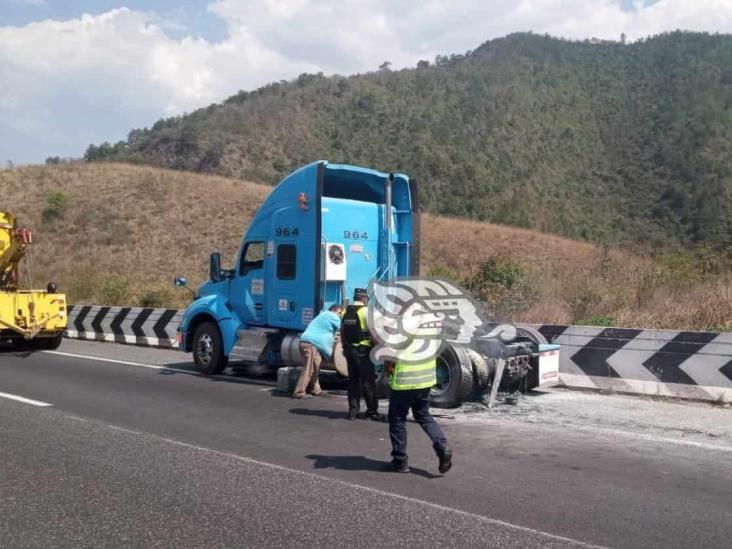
(385, 66)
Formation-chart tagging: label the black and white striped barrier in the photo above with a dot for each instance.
(694, 365)
(133, 325)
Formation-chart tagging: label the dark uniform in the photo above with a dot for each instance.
(410, 384)
(357, 344)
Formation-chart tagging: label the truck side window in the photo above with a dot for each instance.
(286, 261)
(252, 258)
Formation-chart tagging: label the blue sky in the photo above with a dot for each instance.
(184, 17)
(77, 72)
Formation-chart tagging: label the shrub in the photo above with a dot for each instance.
(56, 204)
(597, 320)
(583, 301)
(718, 328)
(444, 273)
(115, 290)
(504, 285)
(84, 287)
(155, 298)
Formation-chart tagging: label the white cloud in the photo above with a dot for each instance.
(68, 83)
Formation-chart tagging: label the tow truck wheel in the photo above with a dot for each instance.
(46, 343)
(208, 350)
(18, 343)
(454, 378)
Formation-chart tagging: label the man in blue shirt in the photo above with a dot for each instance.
(316, 342)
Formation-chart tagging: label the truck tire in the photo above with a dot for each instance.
(454, 378)
(18, 343)
(529, 332)
(483, 373)
(208, 349)
(46, 343)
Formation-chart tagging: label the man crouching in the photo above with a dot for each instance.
(315, 342)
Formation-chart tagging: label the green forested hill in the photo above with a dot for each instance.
(604, 141)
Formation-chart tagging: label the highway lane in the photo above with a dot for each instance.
(72, 482)
(594, 487)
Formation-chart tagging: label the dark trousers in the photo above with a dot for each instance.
(400, 403)
(361, 379)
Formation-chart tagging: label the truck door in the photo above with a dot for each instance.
(293, 251)
(247, 291)
(285, 302)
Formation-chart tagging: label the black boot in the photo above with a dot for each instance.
(445, 456)
(375, 416)
(397, 466)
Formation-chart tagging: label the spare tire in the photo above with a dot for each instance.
(454, 378)
(339, 359)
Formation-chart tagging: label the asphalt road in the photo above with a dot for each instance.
(147, 454)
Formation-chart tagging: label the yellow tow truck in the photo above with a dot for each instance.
(28, 318)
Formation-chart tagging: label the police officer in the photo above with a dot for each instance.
(357, 343)
(410, 383)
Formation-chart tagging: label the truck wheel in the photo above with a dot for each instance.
(529, 333)
(208, 350)
(47, 343)
(483, 373)
(454, 378)
(18, 343)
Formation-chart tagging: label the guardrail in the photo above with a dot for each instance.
(666, 363)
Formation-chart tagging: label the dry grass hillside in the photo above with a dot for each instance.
(117, 234)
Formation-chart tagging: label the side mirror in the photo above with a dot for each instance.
(180, 281)
(215, 267)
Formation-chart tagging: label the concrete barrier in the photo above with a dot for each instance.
(132, 325)
(692, 365)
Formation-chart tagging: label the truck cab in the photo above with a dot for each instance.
(323, 231)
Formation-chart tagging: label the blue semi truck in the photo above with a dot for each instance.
(323, 231)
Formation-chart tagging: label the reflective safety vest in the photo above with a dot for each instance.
(419, 375)
(354, 329)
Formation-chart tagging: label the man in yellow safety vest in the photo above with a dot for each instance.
(357, 344)
(410, 382)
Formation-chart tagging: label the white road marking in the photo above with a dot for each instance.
(125, 362)
(25, 400)
(156, 367)
(481, 518)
